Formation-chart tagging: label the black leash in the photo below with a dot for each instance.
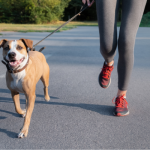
(85, 6)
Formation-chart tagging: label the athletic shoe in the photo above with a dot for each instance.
(104, 77)
(121, 108)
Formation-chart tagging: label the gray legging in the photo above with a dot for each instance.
(107, 12)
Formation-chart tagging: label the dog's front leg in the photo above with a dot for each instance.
(15, 96)
(30, 105)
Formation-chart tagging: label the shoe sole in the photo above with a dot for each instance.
(120, 115)
(105, 87)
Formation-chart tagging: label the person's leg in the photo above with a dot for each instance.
(107, 11)
(107, 20)
(132, 13)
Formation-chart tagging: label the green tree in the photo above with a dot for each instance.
(31, 11)
(75, 4)
(146, 19)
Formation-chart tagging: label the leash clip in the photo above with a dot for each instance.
(32, 49)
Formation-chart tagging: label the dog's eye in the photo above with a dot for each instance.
(19, 47)
(6, 48)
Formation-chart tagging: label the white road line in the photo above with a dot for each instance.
(46, 56)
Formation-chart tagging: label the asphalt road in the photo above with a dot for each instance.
(79, 115)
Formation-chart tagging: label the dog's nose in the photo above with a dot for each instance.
(12, 55)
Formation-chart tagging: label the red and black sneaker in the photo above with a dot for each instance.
(104, 77)
(121, 108)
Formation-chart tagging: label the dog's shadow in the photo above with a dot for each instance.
(100, 109)
(9, 133)
(37, 95)
(2, 117)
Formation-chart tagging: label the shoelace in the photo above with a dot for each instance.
(106, 71)
(120, 101)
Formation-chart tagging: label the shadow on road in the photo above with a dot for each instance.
(8, 112)
(1, 117)
(9, 133)
(37, 95)
(101, 109)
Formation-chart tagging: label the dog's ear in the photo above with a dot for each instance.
(27, 43)
(2, 42)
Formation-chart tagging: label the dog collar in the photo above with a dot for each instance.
(10, 70)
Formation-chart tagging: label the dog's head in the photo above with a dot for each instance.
(15, 52)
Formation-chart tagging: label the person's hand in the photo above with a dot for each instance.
(88, 2)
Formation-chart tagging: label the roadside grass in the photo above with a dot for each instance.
(33, 27)
(43, 27)
(49, 27)
(141, 25)
(144, 25)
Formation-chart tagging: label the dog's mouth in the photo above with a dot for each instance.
(15, 63)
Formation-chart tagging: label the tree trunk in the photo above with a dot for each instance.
(75, 13)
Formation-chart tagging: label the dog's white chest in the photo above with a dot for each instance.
(16, 83)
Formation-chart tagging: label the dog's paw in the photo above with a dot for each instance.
(24, 113)
(47, 98)
(23, 133)
(20, 135)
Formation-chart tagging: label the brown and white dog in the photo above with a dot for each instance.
(27, 69)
